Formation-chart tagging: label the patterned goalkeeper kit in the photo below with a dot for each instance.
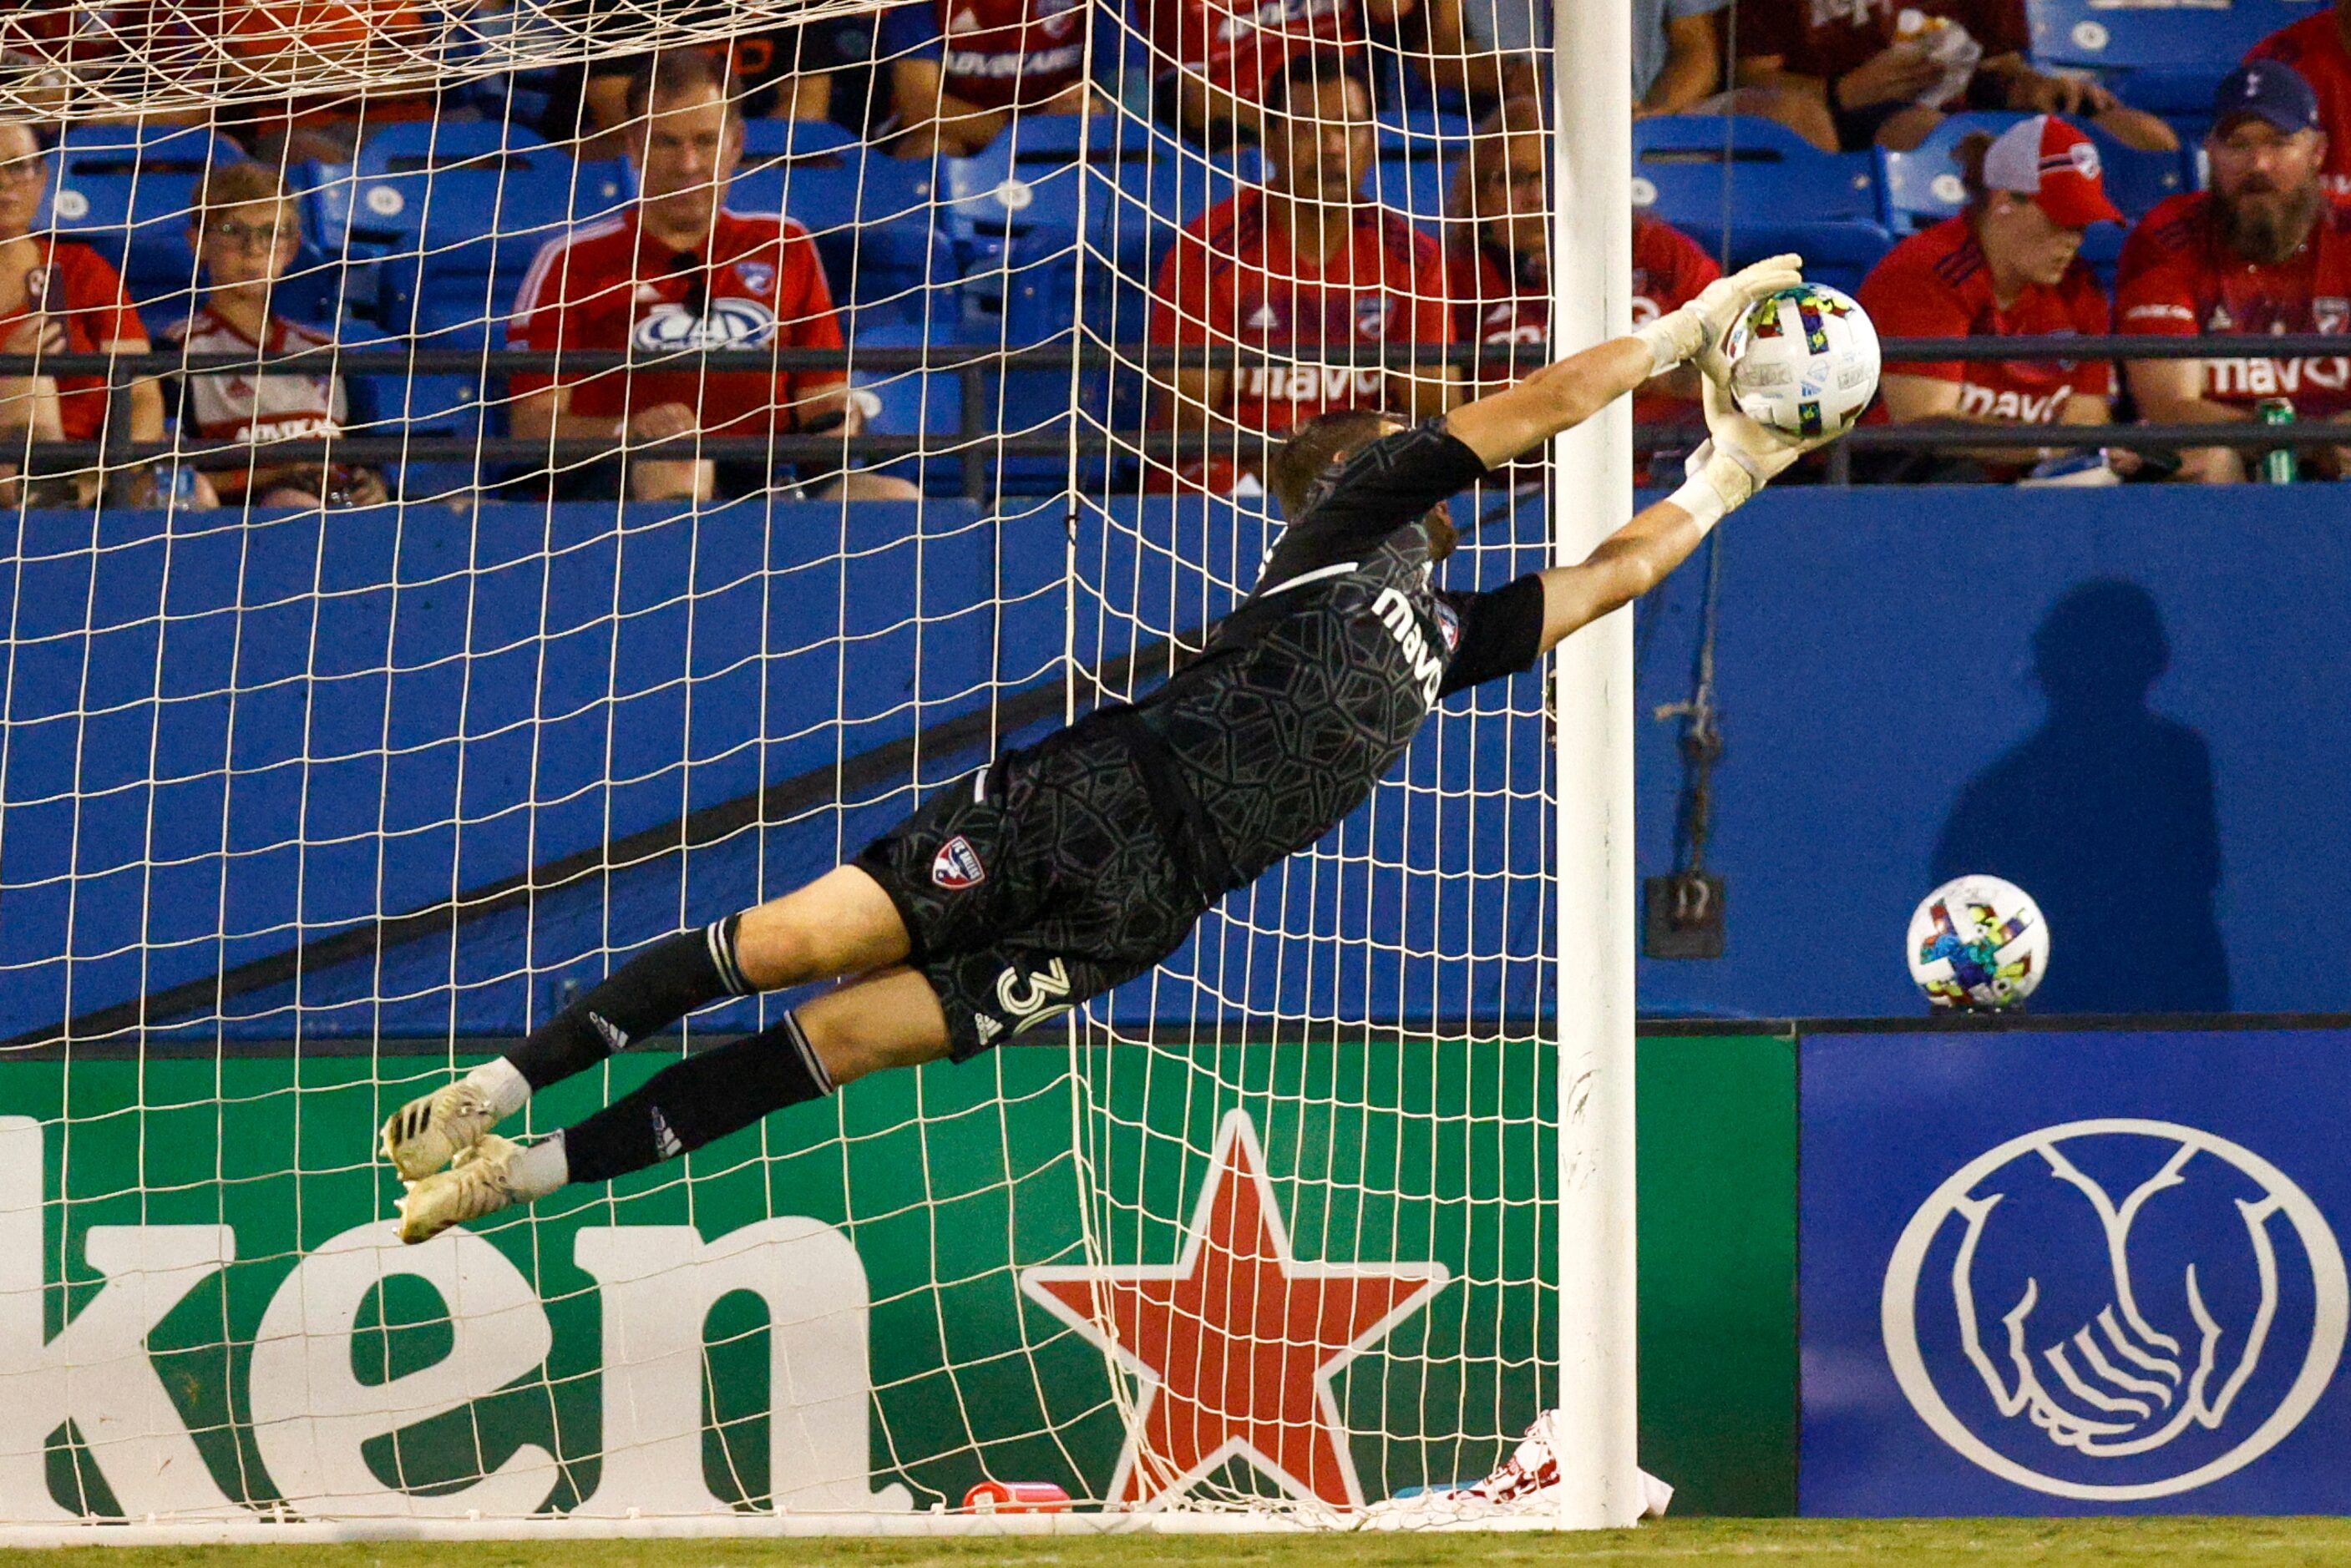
(1068, 867)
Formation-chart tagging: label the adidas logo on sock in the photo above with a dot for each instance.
(663, 1140)
(615, 1037)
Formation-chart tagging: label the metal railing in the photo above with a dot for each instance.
(974, 443)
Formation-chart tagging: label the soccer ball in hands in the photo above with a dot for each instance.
(1978, 942)
(1803, 360)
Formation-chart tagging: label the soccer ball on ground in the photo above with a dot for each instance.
(1803, 360)
(1977, 941)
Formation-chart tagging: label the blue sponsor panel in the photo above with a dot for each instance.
(2073, 1273)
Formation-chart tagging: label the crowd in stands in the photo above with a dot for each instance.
(1302, 109)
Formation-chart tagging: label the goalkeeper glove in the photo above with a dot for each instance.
(1739, 458)
(1696, 331)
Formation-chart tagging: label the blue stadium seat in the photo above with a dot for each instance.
(884, 252)
(793, 138)
(912, 402)
(601, 187)
(455, 214)
(131, 192)
(1416, 187)
(2165, 58)
(1060, 138)
(1747, 187)
(423, 405)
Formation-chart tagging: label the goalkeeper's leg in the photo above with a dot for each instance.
(890, 1020)
(842, 923)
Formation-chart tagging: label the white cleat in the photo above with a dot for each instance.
(481, 1181)
(429, 1132)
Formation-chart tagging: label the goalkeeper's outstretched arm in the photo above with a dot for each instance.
(1560, 396)
(1740, 457)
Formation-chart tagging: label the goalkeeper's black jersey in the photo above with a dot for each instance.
(1309, 692)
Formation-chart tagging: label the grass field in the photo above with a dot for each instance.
(2108, 1544)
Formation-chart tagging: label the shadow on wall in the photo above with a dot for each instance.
(2104, 814)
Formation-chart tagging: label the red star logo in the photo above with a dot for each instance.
(1235, 1346)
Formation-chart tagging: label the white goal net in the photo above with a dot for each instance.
(477, 502)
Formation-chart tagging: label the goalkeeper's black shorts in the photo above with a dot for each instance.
(1057, 872)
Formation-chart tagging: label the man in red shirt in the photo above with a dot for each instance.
(961, 68)
(1497, 265)
(2008, 267)
(2263, 251)
(1305, 261)
(674, 274)
(1888, 69)
(2315, 46)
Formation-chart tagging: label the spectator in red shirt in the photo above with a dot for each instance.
(58, 297)
(1307, 261)
(1497, 265)
(675, 272)
(2263, 251)
(1222, 55)
(2315, 47)
(2006, 267)
(961, 68)
(287, 43)
(1887, 70)
(246, 232)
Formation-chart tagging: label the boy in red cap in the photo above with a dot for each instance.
(2009, 265)
(2263, 251)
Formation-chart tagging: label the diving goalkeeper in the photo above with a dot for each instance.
(1062, 869)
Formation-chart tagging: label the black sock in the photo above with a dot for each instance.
(689, 1103)
(659, 986)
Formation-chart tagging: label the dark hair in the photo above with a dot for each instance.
(1970, 157)
(1311, 448)
(675, 73)
(1312, 71)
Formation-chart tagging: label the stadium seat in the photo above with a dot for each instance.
(1060, 138)
(990, 193)
(2165, 58)
(603, 186)
(766, 137)
(1021, 287)
(393, 405)
(131, 193)
(884, 247)
(1747, 187)
(914, 403)
(455, 216)
(1415, 186)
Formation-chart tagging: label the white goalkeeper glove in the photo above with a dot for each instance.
(1739, 458)
(1696, 331)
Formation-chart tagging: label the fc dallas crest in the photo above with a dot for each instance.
(958, 866)
(1235, 1344)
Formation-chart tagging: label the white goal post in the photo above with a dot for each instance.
(1592, 676)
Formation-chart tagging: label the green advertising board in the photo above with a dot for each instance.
(1718, 1268)
(867, 1303)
